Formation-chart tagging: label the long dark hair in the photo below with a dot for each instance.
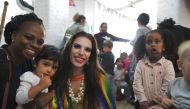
(91, 72)
(16, 23)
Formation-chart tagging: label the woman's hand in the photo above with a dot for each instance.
(40, 101)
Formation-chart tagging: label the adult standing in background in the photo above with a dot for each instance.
(104, 35)
(78, 25)
(143, 20)
(24, 36)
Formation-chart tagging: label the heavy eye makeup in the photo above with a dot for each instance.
(78, 46)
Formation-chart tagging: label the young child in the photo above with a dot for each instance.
(119, 72)
(119, 76)
(107, 57)
(178, 93)
(107, 61)
(153, 72)
(38, 81)
(124, 57)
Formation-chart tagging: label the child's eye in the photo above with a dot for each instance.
(46, 64)
(149, 42)
(157, 41)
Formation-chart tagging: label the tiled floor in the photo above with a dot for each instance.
(123, 104)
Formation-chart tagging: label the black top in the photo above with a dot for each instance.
(101, 36)
(18, 69)
(107, 62)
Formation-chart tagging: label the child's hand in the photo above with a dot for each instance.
(125, 72)
(144, 105)
(165, 102)
(45, 82)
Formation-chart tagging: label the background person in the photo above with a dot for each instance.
(104, 35)
(79, 24)
(143, 20)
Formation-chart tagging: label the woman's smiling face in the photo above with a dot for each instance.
(80, 52)
(29, 40)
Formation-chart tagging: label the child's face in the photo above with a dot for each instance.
(106, 49)
(154, 45)
(184, 66)
(119, 64)
(46, 67)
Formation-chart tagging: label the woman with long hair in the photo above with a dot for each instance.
(81, 83)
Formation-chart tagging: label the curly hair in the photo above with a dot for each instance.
(16, 23)
(179, 34)
(168, 41)
(166, 24)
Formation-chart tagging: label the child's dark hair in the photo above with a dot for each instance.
(168, 41)
(143, 19)
(118, 59)
(49, 52)
(16, 23)
(180, 34)
(108, 43)
(177, 30)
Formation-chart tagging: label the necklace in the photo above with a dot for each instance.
(79, 94)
